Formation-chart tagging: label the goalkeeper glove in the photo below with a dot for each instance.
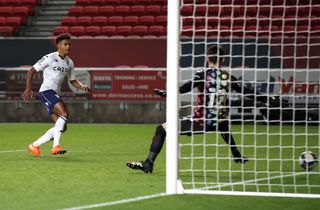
(276, 101)
(162, 93)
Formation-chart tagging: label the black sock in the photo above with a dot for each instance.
(157, 143)
(228, 138)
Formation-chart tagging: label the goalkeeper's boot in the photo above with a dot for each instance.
(58, 150)
(145, 166)
(35, 150)
(241, 159)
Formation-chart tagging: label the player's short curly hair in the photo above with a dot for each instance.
(215, 53)
(62, 36)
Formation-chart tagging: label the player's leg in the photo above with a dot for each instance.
(47, 98)
(223, 128)
(60, 116)
(155, 148)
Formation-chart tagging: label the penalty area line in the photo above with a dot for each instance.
(111, 203)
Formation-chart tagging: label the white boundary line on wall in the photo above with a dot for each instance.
(111, 203)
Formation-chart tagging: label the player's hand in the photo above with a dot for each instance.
(162, 93)
(27, 94)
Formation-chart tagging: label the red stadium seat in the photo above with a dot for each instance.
(157, 30)
(69, 21)
(22, 11)
(124, 30)
(252, 31)
(76, 30)
(251, 11)
(290, 21)
(277, 11)
(237, 31)
(146, 20)
(14, 21)
(213, 21)
(122, 10)
(2, 3)
(13, 2)
(187, 11)
(161, 20)
(303, 31)
(6, 30)
(214, 11)
(315, 31)
(138, 10)
(90, 10)
(159, 2)
(187, 31)
(225, 21)
(264, 11)
(140, 30)
(315, 10)
(277, 21)
(201, 10)
(76, 11)
(2, 21)
(84, 21)
(99, 21)
(153, 10)
(193, 21)
(97, 2)
(31, 3)
(92, 30)
(115, 20)
(238, 22)
(112, 2)
(143, 2)
(131, 20)
(128, 2)
(82, 2)
(61, 29)
(164, 10)
(6, 11)
(290, 11)
(226, 11)
(106, 10)
(108, 30)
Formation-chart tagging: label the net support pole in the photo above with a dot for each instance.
(172, 96)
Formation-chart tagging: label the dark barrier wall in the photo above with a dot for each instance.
(262, 53)
(87, 52)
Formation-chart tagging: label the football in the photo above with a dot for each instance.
(308, 160)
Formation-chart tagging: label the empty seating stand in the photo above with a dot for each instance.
(13, 14)
(148, 18)
(120, 18)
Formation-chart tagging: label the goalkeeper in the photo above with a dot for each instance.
(214, 84)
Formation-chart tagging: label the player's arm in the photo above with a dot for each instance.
(189, 85)
(27, 94)
(75, 83)
(248, 92)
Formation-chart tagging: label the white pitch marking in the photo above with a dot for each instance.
(111, 203)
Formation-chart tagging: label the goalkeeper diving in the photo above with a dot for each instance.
(214, 85)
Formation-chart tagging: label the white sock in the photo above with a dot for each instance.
(44, 138)
(58, 128)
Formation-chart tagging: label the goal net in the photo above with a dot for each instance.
(273, 48)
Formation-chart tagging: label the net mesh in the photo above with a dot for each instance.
(273, 47)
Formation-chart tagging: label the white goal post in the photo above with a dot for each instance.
(272, 48)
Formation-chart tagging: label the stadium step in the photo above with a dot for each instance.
(48, 16)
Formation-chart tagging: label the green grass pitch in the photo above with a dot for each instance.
(93, 171)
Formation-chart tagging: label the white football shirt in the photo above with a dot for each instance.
(55, 70)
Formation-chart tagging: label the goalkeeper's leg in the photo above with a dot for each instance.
(223, 127)
(155, 148)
